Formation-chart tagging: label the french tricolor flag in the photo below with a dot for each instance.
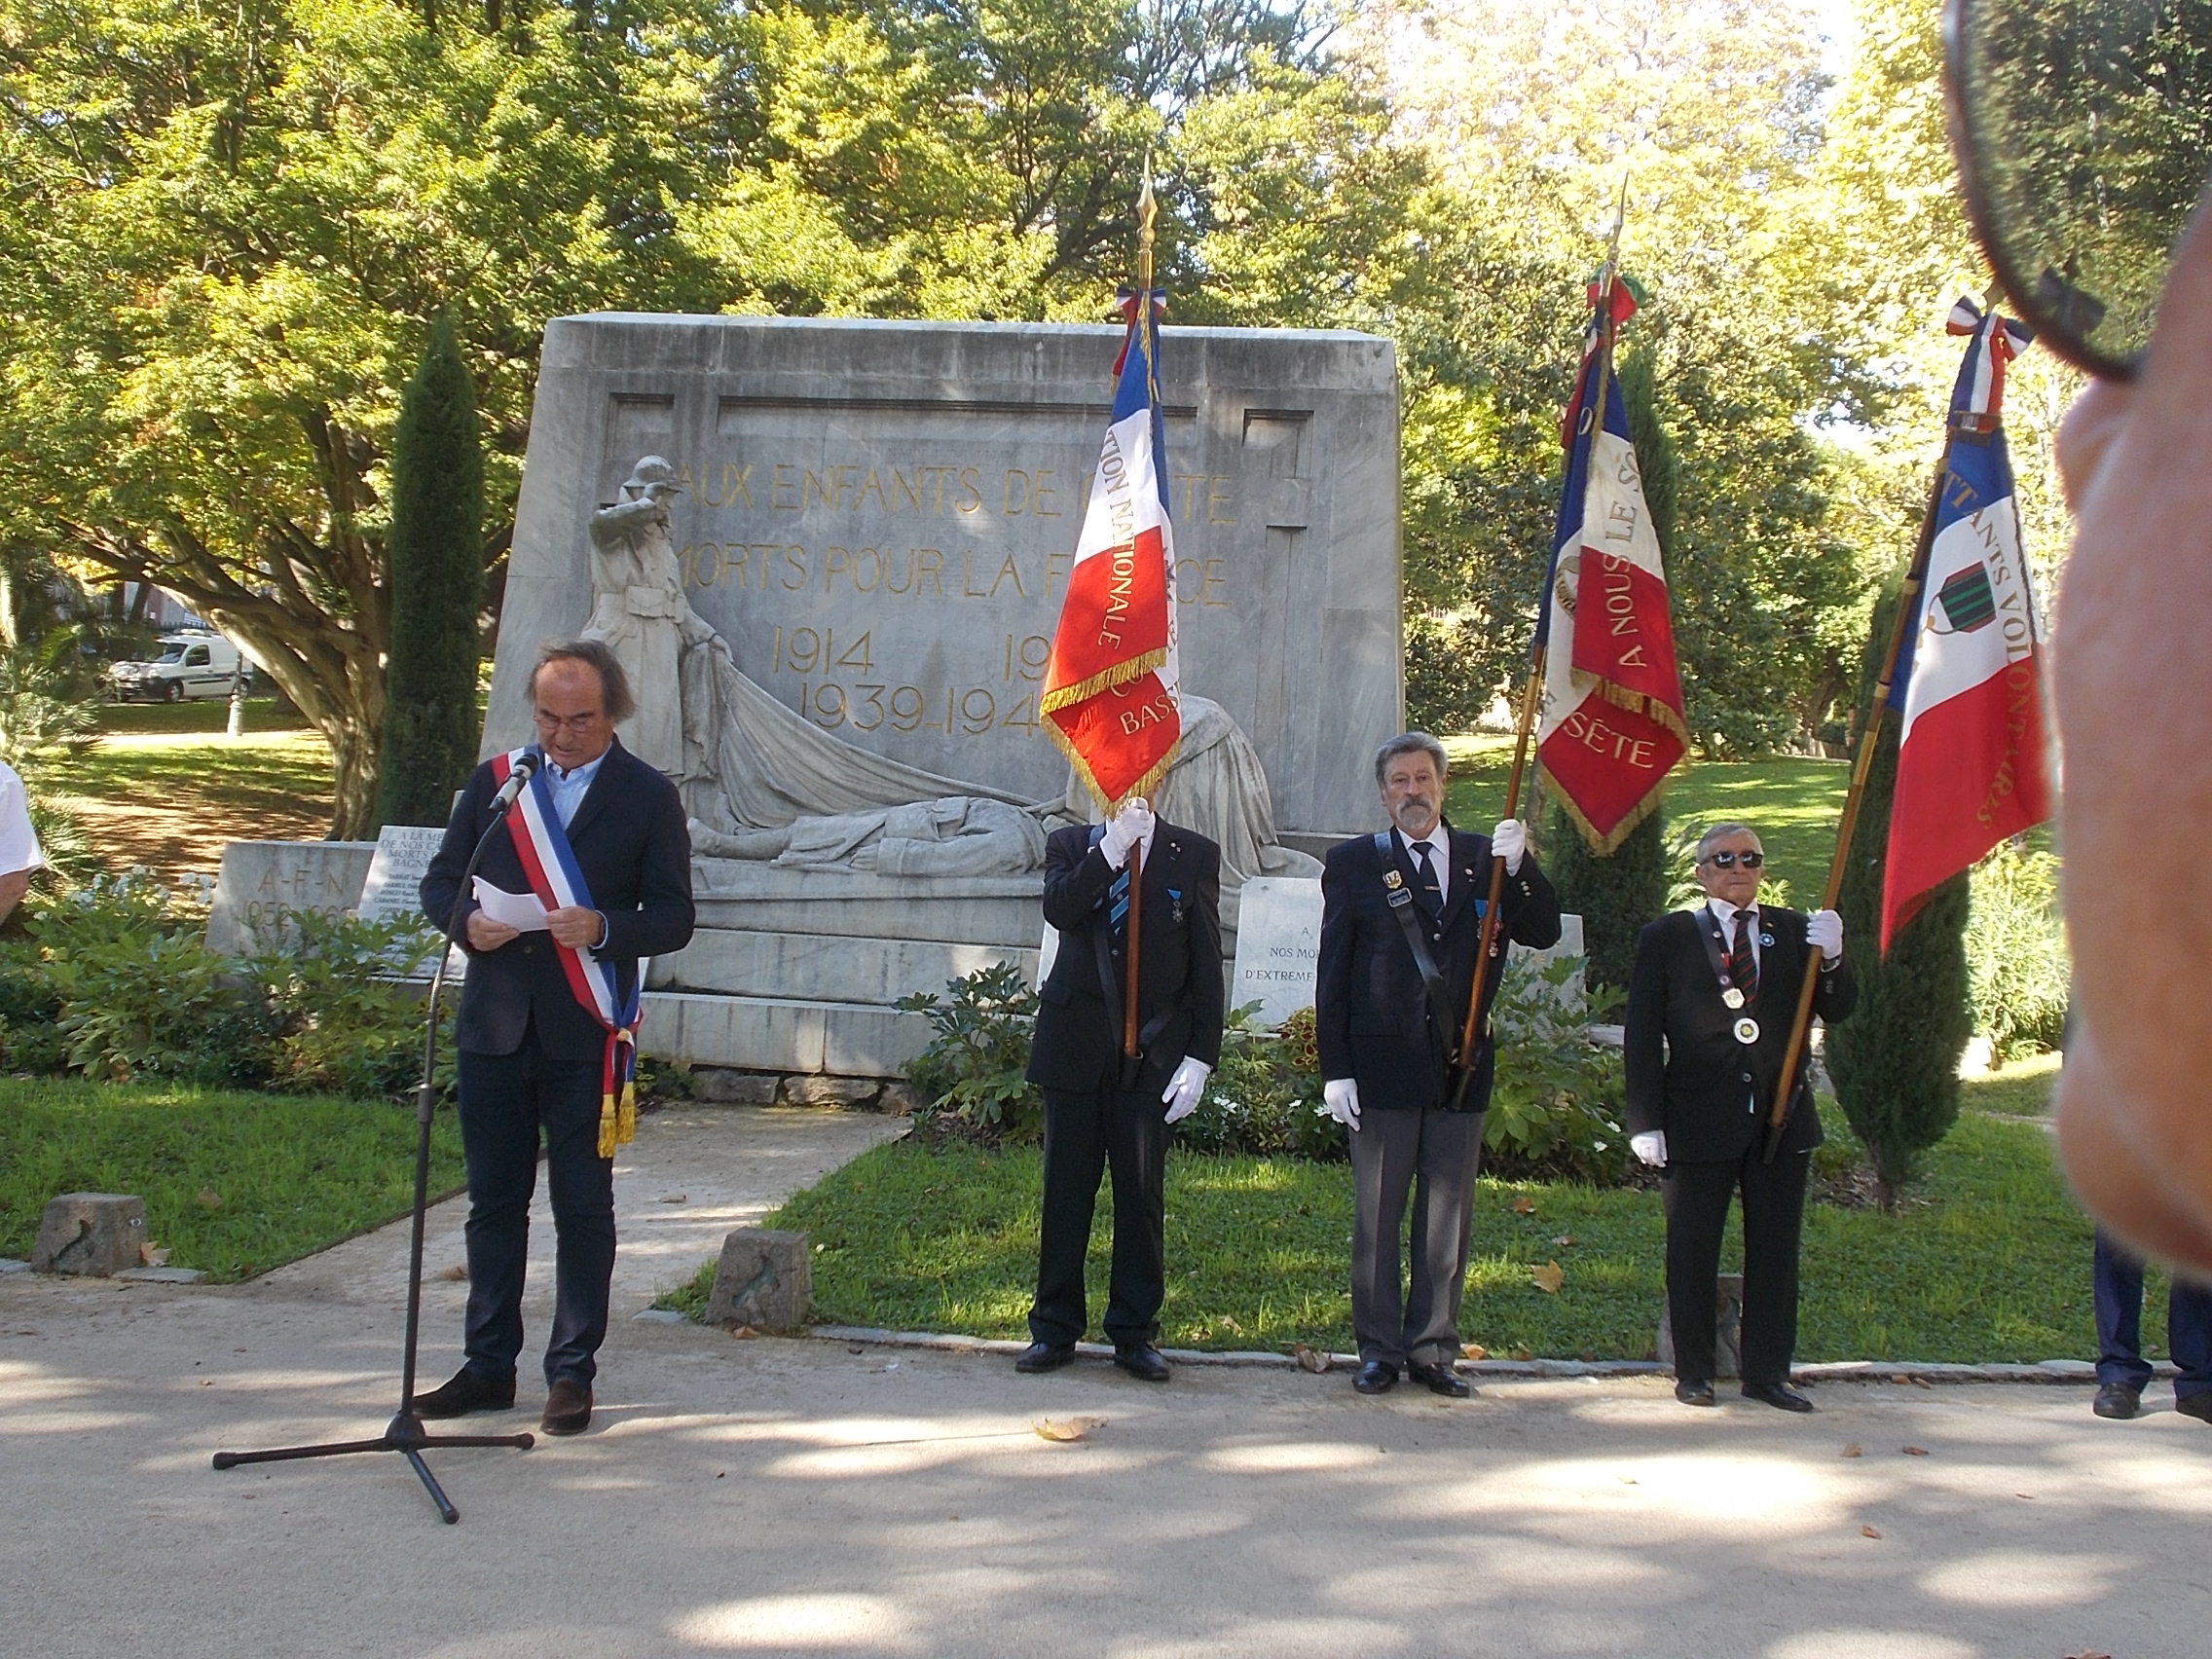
(1972, 759)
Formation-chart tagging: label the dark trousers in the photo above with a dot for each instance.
(1086, 1133)
(1696, 1199)
(1433, 1155)
(505, 1102)
(2118, 1290)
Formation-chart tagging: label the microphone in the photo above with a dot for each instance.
(517, 780)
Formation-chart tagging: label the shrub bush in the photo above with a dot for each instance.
(1556, 1107)
(348, 1026)
(1264, 1097)
(2017, 972)
(973, 1070)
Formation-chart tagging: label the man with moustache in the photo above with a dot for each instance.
(1711, 1000)
(533, 1057)
(1401, 919)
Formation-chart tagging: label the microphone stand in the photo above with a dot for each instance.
(404, 1434)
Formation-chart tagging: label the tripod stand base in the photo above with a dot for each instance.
(403, 1434)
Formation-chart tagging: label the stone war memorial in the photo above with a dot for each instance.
(831, 555)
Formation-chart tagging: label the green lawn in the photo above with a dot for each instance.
(1793, 803)
(200, 715)
(1988, 1261)
(235, 1184)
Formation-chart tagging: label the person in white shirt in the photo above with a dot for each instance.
(20, 853)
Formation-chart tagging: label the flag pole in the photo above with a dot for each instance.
(1146, 211)
(1862, 756)
(1487, 943)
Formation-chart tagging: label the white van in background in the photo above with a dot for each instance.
(190, 665)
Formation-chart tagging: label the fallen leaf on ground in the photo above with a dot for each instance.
(458, 1271)
(1915, 1450)
(1065, 1430)
(676, 1198)
(1232, 1326)
(1523, 1353)
(1903, 1382)
(1563, 1240)
(1473, 1350)
(2029, 1496)
(1524, 1205)
(1869, 1532)
(2088, 1656)
(1628, 1479)
(746, 1333)
(1853, 1450)
(207, 1199)
(1548, 1277)
(153, 1255)
(1309, 1359)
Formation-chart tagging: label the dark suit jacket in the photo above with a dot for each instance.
(1372, 1011)
(1709, 1093)
(1078, 1044)
(635, 853)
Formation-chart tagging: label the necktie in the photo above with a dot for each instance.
(1743, 966)
(1431, 895)
(1118, 901)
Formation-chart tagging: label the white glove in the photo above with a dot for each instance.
(1651, 1147)
(1125, 829)
(1510, 840)
(1824, 927)
(1184, 1088)
(1340, 1096)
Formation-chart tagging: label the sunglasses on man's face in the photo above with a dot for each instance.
(1729, 861)
(2079, 128)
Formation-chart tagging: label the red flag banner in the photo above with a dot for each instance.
(1109, 698)
(1613, 725)
(1972, 769)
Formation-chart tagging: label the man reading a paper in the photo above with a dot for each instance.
(594, 863)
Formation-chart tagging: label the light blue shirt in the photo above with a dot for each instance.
(569, 788)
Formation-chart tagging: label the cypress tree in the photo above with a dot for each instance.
(1895, 1062)
(434, 556)
(1616, 894)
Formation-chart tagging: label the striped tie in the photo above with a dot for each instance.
(1118, 900)
(1743, 966)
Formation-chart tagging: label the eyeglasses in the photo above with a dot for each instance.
(575, 725)
(1729, 861)
(2080, 127)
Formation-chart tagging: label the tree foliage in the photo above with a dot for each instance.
(1895, 1062)
(435, 550)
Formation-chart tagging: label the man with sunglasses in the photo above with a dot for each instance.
(533, 1057)
(1709, 1004)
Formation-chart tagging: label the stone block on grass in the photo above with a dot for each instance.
(100, 1233)
(727, 1085)
(820, 1090)
(764, 1280)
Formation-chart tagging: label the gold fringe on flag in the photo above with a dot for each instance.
(1120, 674)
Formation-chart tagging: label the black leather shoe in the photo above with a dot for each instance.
(1044, 1357)
(2198, 1405)
(2119, 1400)
(1693, 1393)
(1142, 1361)
(464, 1392)
(1779, 1395)
(568, 1408)
(1376, 1377)
(1440, 1379)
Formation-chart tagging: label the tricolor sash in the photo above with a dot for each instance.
(549, 863)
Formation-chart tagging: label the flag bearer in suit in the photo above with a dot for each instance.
(1104, 1111)
(1709, 1003)
(1401, 915)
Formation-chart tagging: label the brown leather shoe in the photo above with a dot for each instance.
(568, 1408)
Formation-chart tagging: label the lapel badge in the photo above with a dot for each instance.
(1392, 879)
(1766, 942)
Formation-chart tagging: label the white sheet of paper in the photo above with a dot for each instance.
(519, 911)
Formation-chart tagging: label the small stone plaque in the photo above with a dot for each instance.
(262, 882)
(397, 868)
(1279, 946)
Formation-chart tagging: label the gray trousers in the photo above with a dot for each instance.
(1434, 1155)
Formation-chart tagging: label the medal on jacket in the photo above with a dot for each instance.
(1732, 997)
(1747, 1030)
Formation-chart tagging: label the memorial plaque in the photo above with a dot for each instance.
(264, 882)
(878, 519)
(394, 888)
(1279, 946)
